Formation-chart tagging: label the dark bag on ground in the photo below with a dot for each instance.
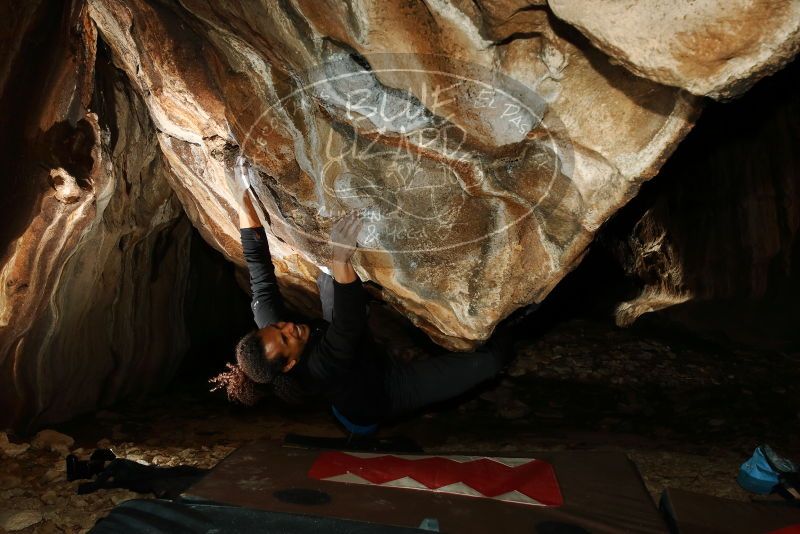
(108, 471)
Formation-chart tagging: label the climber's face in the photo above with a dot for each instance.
(285, 340)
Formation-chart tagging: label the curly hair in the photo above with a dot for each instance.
(244, 381)
(237, 385)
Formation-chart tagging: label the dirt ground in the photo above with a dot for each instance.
(687, 414)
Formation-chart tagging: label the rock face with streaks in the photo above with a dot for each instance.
(484, 142)
(94, 244)
(716, 48)
(486, 147)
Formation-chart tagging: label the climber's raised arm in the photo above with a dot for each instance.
(267, 304)
(349, 302)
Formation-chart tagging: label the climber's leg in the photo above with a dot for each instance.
(420, 383)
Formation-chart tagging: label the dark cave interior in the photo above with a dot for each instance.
(736, 167)
(675, 340)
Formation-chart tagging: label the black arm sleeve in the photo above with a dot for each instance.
(267, 303)
(343, 336)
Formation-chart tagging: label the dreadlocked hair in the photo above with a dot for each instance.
(237, 385)
(243, 380)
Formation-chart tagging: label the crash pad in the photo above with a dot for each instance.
(694, 513)
(157, 516)
(597, 492)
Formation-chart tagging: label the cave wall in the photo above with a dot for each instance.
(95, 244)
(713, 239)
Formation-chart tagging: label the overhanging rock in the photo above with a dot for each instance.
(716, 48)
(486, 147)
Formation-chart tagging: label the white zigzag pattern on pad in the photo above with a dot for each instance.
(509, 462)
(459, 488)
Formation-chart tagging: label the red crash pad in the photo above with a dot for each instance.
(520, 480)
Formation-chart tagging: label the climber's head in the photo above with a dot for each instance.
(265, 356)
(282, 343)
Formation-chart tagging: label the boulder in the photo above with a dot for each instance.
(716, 48)
(13, 521)
(11, 449)
(484, 157)
(51, 440)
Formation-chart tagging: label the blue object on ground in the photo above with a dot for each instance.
(756, 475)
(430, 523)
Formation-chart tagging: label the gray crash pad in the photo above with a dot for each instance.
(601, 492)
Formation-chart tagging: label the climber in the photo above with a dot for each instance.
(337, 360)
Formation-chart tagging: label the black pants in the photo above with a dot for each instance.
(413, 385)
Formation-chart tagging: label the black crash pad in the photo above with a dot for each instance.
(694, 513)
(154, 516)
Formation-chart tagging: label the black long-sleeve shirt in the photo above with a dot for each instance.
(267, 303)
(340, 362)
